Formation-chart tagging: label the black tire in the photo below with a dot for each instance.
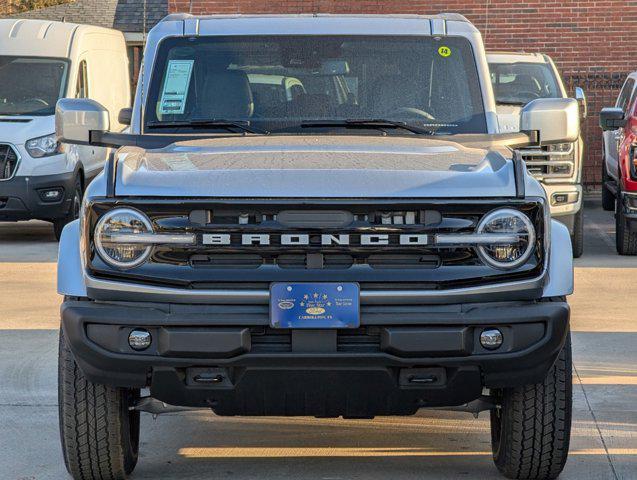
(625, 238)
(608, 199)
(73, 213)
(530, 433)
(100, 435)
(577, 239)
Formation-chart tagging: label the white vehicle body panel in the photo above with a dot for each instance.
(104, 51)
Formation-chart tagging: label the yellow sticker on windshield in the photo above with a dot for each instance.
(444, 51)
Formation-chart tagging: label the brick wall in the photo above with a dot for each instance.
(594, 43)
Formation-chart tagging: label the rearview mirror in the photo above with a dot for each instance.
(75, 118)
(125, 116)
(580, 96)
(611, 118)
(554, 120)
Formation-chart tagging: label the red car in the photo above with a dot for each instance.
(619, 172)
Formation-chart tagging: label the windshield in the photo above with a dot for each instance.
(287, 83)
(31, 86)
(519, 83)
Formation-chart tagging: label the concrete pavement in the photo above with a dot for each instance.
(432, 445)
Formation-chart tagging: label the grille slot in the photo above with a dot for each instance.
(8, 162)
(360, 340)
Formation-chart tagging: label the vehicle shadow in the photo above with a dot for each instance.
(32, 241)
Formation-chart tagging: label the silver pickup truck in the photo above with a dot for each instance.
(315, 215)
(519, 78)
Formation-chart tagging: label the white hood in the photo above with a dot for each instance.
(18, 129)
(314, 167)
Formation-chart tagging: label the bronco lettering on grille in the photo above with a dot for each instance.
(295, 239)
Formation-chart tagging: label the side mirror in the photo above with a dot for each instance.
(75, 118)
(555, 120)
(580, 96)
(125, 116)
(611, 118)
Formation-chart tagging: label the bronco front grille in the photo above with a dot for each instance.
(8, 162)
(209, 262)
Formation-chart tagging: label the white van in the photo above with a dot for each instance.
(41, 62)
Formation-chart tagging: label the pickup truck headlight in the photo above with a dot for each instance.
(44, 146)
(507, 255)
(111, 232)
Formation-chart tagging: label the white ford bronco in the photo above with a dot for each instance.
(315, 215)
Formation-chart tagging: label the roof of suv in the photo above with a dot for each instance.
(319, 24)
(516, 57)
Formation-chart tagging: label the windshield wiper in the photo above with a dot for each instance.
(515, 103)
(362, 123)
(244, 126)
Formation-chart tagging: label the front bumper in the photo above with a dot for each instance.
(20, 197)
(403, 358)
(628, 202)
(564, 211)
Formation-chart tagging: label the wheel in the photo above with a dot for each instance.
(577, 239)
(100, 435)
(531, 431)
(73, 213)
(608, 199)
(625, 238)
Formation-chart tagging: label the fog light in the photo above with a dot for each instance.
(139, 339)
(564, 198)
(51, 194)
(491, 338)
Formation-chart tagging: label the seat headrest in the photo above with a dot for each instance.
(226, 95)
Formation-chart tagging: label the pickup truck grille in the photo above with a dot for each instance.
(221, 256)
(8, 162)
(542, 162)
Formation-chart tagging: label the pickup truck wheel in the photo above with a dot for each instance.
(608, 199)
(100, 435)
(577, 239)
(625, 238)
(74, 211)
(530, 432)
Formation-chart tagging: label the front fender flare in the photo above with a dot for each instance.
(560, 272)
(70, 273)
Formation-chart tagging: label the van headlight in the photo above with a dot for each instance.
(44, 146)
(508, 254)
(111, 233)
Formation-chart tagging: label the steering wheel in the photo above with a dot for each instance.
(410, 112)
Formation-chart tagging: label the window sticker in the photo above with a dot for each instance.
(444, 51)
(175, 91)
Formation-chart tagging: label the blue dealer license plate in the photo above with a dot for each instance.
(314, 305)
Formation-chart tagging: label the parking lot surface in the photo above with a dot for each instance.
(431, 445)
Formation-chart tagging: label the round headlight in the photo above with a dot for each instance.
(507, 254)
(122, 221)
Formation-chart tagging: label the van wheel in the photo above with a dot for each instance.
(100, 435)
(73, 213)
(577, 239)
(608, 199)
(625, 238)
(531, 431)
